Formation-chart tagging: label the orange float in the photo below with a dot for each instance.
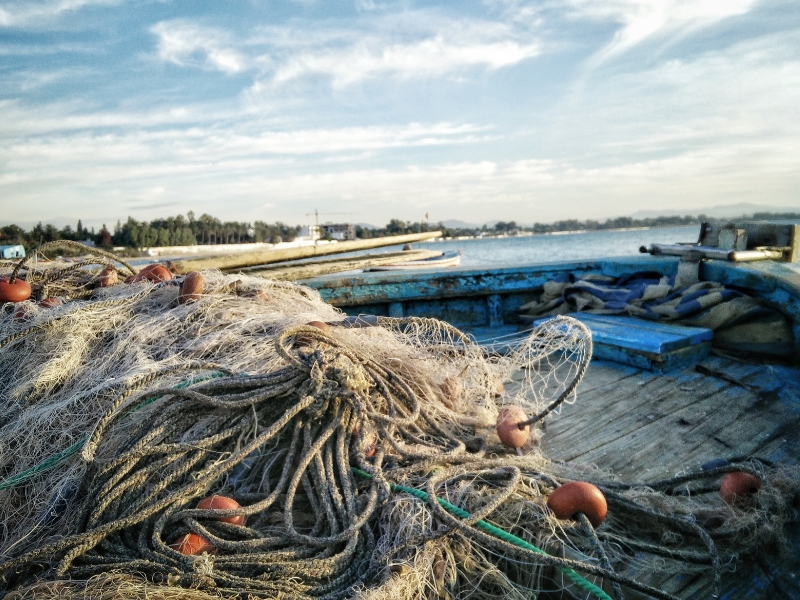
(453, 390)
(575, 497)
(108, 277)
(508, 429)
(737, 486)
(304, 340)
(153, 273)
(223, 503)
(192, 544)
(19, 291)
(192, 287)
(50, 302)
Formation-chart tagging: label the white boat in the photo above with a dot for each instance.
(446, 259)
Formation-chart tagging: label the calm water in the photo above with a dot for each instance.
(571, 246)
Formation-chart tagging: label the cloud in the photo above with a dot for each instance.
(31, 12)
(642, 19)
(420, 45)
(183, 43)
(430, 57)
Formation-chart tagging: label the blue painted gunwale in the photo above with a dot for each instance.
(472, 298)
(775, 282)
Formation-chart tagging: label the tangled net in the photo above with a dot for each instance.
(363, 456)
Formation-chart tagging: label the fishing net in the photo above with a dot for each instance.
(361, 454)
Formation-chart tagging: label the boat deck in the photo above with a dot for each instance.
(646, 426)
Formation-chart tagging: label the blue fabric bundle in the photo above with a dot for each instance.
(741, 323)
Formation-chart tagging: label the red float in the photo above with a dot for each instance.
(737, 486)
(19, 291)
(192, 544)
(304, 340)
(453, 390)
(508, 429)
(154, 273)
(108, 277)
(223, 503)
(192, 287)
(50, 302)
(575, 497)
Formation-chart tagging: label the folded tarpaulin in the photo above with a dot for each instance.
(741, 323)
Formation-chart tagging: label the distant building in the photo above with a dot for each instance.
(15, 251)
(338, 231)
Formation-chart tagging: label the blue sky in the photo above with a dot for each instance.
(368, 110)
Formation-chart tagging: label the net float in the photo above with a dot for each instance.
(369, 443)
(575, 497)
(192, 544)
(453, 390)
(192, 287)
(320, 325)
(50, 302)
(223, 503)
(22, 313)
(499, 388)
(261, 295)
(737, 485)
(108, 277)
(508, 429)
(153, 273)
(19, 291)
(304, 340)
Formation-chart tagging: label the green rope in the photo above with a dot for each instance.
(580, 581)
(32, 472)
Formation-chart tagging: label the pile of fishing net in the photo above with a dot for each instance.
(210, 435)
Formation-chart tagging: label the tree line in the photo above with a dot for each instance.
(171, 231)
(188, 230)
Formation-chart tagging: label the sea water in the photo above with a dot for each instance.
(534, 249)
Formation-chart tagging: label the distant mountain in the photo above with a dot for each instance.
(456, 224)
(727, 211)
(366, 226)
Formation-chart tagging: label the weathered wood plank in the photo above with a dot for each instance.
(335, 265)
(248, 259)
(637, 334)
(644, 426)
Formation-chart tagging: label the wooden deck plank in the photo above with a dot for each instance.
(645, 426)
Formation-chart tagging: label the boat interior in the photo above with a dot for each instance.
(646, 408)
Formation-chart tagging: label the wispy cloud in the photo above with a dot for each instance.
(184, 43)
(642, 19)
(427, 58)
(375, 47)
(33, 12)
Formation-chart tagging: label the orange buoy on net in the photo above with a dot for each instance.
(320, 325)
(453, 390)
(22, 312)
(737, 486)
(107, 277)
(216, 502)
(304, 340)
(508, 429)
(50, 302)
(19, 291)
(153, 273)
(499, 389)
(192, 544)
(192, 287)
(575, 497)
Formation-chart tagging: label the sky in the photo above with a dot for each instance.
(369, 110)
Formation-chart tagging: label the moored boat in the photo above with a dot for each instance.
(659, 398)
(233, 435)
(445, 259)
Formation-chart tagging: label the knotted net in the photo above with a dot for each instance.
(363, 455)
